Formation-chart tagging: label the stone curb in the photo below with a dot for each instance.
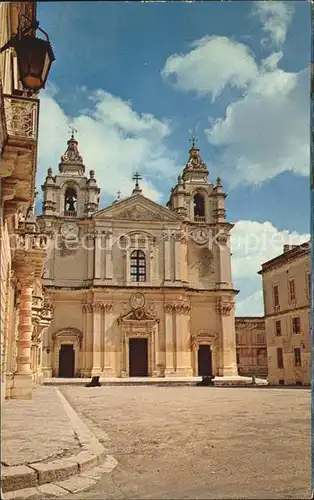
(72, 485)
(38, 474)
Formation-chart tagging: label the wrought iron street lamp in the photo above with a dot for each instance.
(34, 55)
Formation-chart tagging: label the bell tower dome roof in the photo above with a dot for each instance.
(195, 168)
(71, 161)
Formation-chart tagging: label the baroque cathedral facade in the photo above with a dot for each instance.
(138, 289)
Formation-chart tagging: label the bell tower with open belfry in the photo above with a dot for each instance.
(194, 197)
(70, 194)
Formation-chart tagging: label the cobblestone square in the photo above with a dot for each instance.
(200, 442)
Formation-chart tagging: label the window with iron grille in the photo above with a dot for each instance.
(297, 356)
(138, 266)
(291, 290)
(296, 325)
(309, 285)
(278, 327)
(279, 357)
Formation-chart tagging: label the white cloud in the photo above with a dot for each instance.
(113, 139)
(211, 65)
(252, 244)
(267, 132)
(263, 133)
(275, 18)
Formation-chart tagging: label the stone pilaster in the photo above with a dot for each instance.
(87, 347)
(108, 367)
(90, 256)
(184, 358)
(224, 258)
(97, 260)
(169, 344)
(96, 368)
(177, 257)
(183, 259)
(108, 256)
(167, 257)
(228, 359)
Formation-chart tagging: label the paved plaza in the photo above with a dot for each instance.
(199, 442)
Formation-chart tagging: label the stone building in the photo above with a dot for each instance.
(251, 346)
(138, 289)
(287, 289)
(24, 312)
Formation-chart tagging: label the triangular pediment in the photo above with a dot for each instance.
(139, 315)
(137, 207)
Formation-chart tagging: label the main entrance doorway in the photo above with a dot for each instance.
(66, 361)
(205, 361)
(138, 357)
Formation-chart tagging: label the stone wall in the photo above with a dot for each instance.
(251, 346)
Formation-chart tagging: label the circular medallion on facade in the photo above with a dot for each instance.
(200, 235)
(137, 300)
(69, 230)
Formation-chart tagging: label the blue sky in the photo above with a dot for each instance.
(135, 78)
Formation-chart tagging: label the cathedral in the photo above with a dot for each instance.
(138, 289)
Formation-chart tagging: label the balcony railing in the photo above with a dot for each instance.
(21, 116)
(30, 241)
(198, 218)
(70, 213)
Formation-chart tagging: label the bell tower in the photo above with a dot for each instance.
(70, 194)
(194, 197)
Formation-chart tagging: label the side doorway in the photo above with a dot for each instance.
(66, 361)
(205, 365)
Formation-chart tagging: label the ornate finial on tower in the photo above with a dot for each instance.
(195, 164)
(49, 172)
(72, 131)
(71, 160)
(193, 140)
(136, 177)
(118, 195)
(92, 174)
(218, 181)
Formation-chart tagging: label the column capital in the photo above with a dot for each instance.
(182, 308)
(225, 308)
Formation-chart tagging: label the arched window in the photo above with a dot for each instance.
(199, 205)
(138, 266)
(70, 200)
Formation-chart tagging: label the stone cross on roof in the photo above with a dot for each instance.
(136, 177)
